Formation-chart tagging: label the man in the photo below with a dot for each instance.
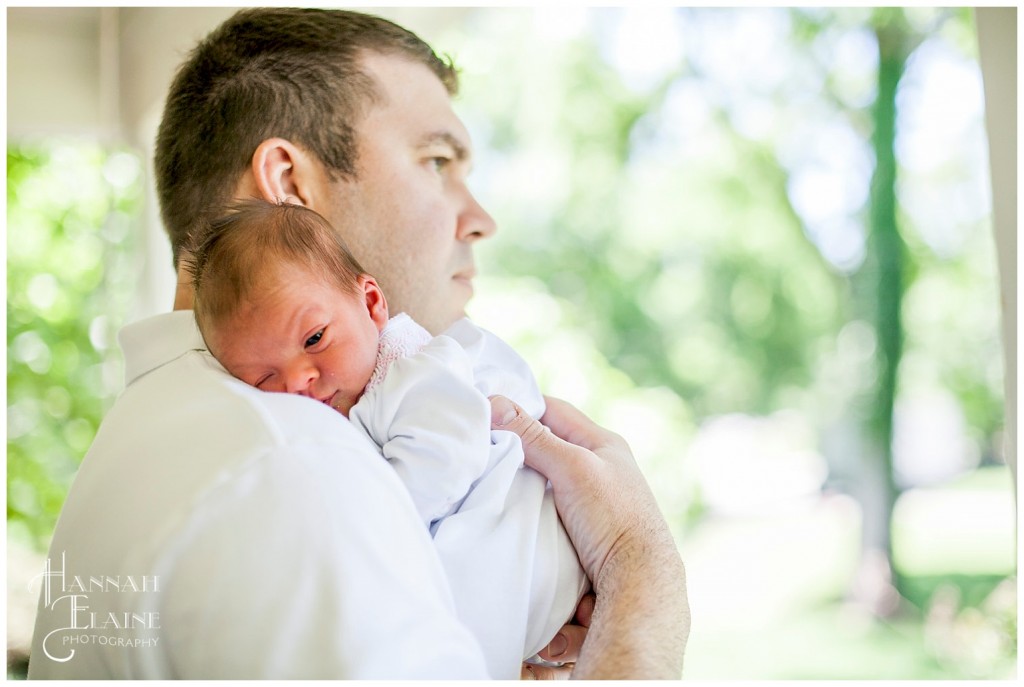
(215, 531)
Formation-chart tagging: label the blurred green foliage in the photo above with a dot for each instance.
(71, 210)
(677, 242)
(670, 227)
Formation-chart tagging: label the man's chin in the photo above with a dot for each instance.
(440, 322)
(438, 319)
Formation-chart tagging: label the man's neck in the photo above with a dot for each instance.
(183, 294)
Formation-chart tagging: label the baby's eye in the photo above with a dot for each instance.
(315, 339)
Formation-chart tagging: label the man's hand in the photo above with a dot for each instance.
(641, 618)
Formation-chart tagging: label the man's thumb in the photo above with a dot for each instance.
(541, 447)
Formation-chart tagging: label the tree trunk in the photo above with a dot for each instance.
(881, 283)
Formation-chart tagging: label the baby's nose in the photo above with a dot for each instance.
(300, 380)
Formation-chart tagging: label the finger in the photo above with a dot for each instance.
(531, 671)
(565, 419)
(544, 451)
(585, 609)
(566, 645)
(569, 423)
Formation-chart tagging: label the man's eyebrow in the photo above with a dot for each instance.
(459, 148)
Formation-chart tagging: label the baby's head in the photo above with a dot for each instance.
(284, 306)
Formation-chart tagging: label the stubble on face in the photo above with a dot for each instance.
(401, 216)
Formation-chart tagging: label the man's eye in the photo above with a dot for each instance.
(439, 163)
(315, 339)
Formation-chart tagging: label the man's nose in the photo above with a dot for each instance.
(299, 379)
(474, 222)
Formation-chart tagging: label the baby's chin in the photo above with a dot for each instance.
(341, 403)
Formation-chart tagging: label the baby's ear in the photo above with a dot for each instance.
(376, 303)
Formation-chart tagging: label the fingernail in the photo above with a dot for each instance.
(503, 411)
(558, 645)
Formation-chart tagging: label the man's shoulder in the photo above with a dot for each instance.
(188, 448)
(172, 378)
(497, 367)
(486, 349)
(193, 390)
(188, 433)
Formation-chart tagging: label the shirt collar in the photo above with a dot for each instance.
(156, 341)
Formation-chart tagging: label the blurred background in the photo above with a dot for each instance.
(759, 243)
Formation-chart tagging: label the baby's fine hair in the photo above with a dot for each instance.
(239, 252)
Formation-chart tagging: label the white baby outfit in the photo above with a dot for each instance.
(512, 569)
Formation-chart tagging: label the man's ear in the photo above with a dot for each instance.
(376, 303)
(284, 172)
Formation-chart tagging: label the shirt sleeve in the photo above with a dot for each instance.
(332, 577)
(431, 424)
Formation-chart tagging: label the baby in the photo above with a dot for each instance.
(284, 307)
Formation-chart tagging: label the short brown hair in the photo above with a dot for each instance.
(269, 72)
(229, 256)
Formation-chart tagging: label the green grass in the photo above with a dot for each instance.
(972, 589)
(832, 642)
(966, 529)
(766, 591)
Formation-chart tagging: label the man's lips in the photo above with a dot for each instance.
(465, 276)
(329, 400)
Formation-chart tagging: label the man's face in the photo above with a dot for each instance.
(408, 216)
